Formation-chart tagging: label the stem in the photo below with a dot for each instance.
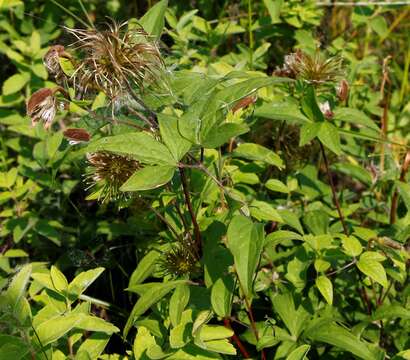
(237, 341)
(402, 178)
(250, 34)
(197, 232)
(332, 185)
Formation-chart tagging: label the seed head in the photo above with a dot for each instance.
(179, 261)
(116, 58)
(314, 69)
(110, 171)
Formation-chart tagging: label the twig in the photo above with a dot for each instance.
(332, 185)
(353, 262)
(404, 168)
(197, 231)
(385, 101)
(361, 3)
(237, 341)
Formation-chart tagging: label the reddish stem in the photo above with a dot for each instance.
(237, 341)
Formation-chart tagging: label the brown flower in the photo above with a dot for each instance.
(42, 105)
(116, 59)
(110, 171)
(51, 60)
(76, 136)
(342, 90)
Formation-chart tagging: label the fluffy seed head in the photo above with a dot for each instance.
(110, 171)
(314, 69)
(116, 58)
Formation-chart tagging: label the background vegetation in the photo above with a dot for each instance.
(259, 224)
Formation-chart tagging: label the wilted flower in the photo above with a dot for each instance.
(326, 110)
(244, 103)
(342, 90)
(76, 136)
(314, 69)
(116, 59)
(180, 260)
(42, 105)
(51, 60)
(110, 171)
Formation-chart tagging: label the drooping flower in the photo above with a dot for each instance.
(326, 110)
(76, 136)
(51, 60)
(116, 59)
(110, 171)
(42, 105)
(314, 69)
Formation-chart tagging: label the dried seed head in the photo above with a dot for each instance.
(110, 171)
(314, 69)
(76, 136)
(116, 58)
(342, 90)
(326, 110)
(179, 261)
(51, 60)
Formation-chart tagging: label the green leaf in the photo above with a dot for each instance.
(153, 19)
(219, 346)
(93, 323)
(93, 346)
(310, 106)
(288, 112)
(277, 185)
(325, 287)
(214, 332)
(221, 296)
(258, 152)
(149, 298)
(177, 145)
(15, 83)
(145, 268)
(336, 335)
(17, 288)
(59, 280)
(245, 241)
(8, 179)
(329, 136)
(355, 117)
(373, 269)
(178, 302)
(12, 347)
(261, 210)
(351, 246)
(274, 7)
(219, 135)
(308, 132)
(404, 192)
(142, 342)
(299, 353)
(140, 145)
(67, 66)
(149, 177)
(82, 281)
(181, 334)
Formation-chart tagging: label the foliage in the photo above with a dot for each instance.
(180, 187)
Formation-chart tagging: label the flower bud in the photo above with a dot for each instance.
(326, 110)
(342, 90)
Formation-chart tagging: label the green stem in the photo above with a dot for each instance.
(251, 40)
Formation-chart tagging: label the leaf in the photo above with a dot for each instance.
(13, 348)
(178, 302)
(277, 185)
(355, 117)
(93, 346)
(329, 136)
(325, 287)
(67, 66)
(142, 342)
(308, 132)
(219, 346)
(221, 296)
(181, 334)
(53, 329)
(153, 19)
(404, 191)
(149, 298)
(310, 106)
(258, 152)
(391, 311)
(214, 332)
(285, 111)
(145, 268)
(15, 83)
(149, 177)
(140, 145)
(17, 287)
(177, 145)
(59, 280)
(93, 323)
(299, 353)
(262, 210)
(82, 281)
(373, 269)
(245, 241)
(8, 179)
(351, 245)
(336, 335)
(274, 8)
(219, 135)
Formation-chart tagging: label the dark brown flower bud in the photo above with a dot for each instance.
(342, 90)
(244, 103)
(76, 136)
